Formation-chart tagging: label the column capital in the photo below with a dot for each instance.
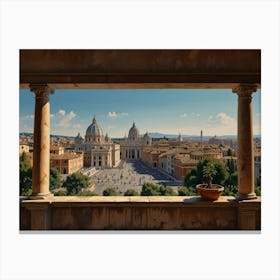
(41, 90)
(245, 90)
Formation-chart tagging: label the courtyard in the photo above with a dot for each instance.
(130, 174)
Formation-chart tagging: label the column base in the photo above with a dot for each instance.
(35, 196)
(241, 196)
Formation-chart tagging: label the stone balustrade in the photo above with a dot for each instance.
(140, 213)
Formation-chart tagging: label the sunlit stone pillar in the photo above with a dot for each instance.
(245, 164)
(41, 145)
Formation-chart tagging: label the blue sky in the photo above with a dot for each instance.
(154, 110)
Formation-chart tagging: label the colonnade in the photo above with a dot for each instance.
(132, 153)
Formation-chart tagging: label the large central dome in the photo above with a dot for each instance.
(133, 132)
(94, 132)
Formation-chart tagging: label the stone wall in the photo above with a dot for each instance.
(139, 213)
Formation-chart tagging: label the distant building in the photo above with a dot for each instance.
(201, 155)
(215, 141)
(99, 151)
(56, 150)
(132, 146)
(67, 163)
(183, 165)
(151, 155)
(180, 138)
(23, 148)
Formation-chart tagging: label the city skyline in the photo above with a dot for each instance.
(168, 111)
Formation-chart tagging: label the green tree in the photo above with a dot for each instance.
(131, 192)
(191, 179)
(230, 165)
(25, 175)
(229, 152)
(75, 182)
(232, 179)
(110, 192)
(55, 178)
(25, 171)
(196, 175)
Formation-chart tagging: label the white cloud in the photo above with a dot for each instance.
(61, 112)
(221, 119)
(112, 114)
(195, 115)
(28, 117)
(225, 119)
(184, 115)
(65, 121)
(77, 125)
(221, 124)
(115, 115)
(62, 119)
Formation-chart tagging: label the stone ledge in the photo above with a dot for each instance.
(140, 213)
(185, 199)
(146, 201)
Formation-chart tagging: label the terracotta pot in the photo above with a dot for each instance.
(210, 194)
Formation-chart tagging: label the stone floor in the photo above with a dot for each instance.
(130, 175)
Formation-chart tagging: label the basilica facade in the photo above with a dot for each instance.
(132, 146)
(99, 151)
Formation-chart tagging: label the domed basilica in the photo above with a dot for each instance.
(99, 151)
(132, 146)
(102, 152)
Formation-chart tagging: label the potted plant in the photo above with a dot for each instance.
(209, 191)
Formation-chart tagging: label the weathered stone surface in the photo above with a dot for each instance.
(140, 213)
(140, 68)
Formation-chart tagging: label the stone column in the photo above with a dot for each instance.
(245, 162)
(41, 145)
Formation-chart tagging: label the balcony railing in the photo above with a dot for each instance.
(140, 213)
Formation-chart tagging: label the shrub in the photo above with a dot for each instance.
(60, 193)
(150, 189)
(230, 190)
(258, 190)
(131, 192)
(86, 193)
(166, 191)
(187, 191)
(110, 192)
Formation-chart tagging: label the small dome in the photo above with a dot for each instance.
(107, 138)
(79, 136)
(133, 132)
(94, 131)
(146, 135)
